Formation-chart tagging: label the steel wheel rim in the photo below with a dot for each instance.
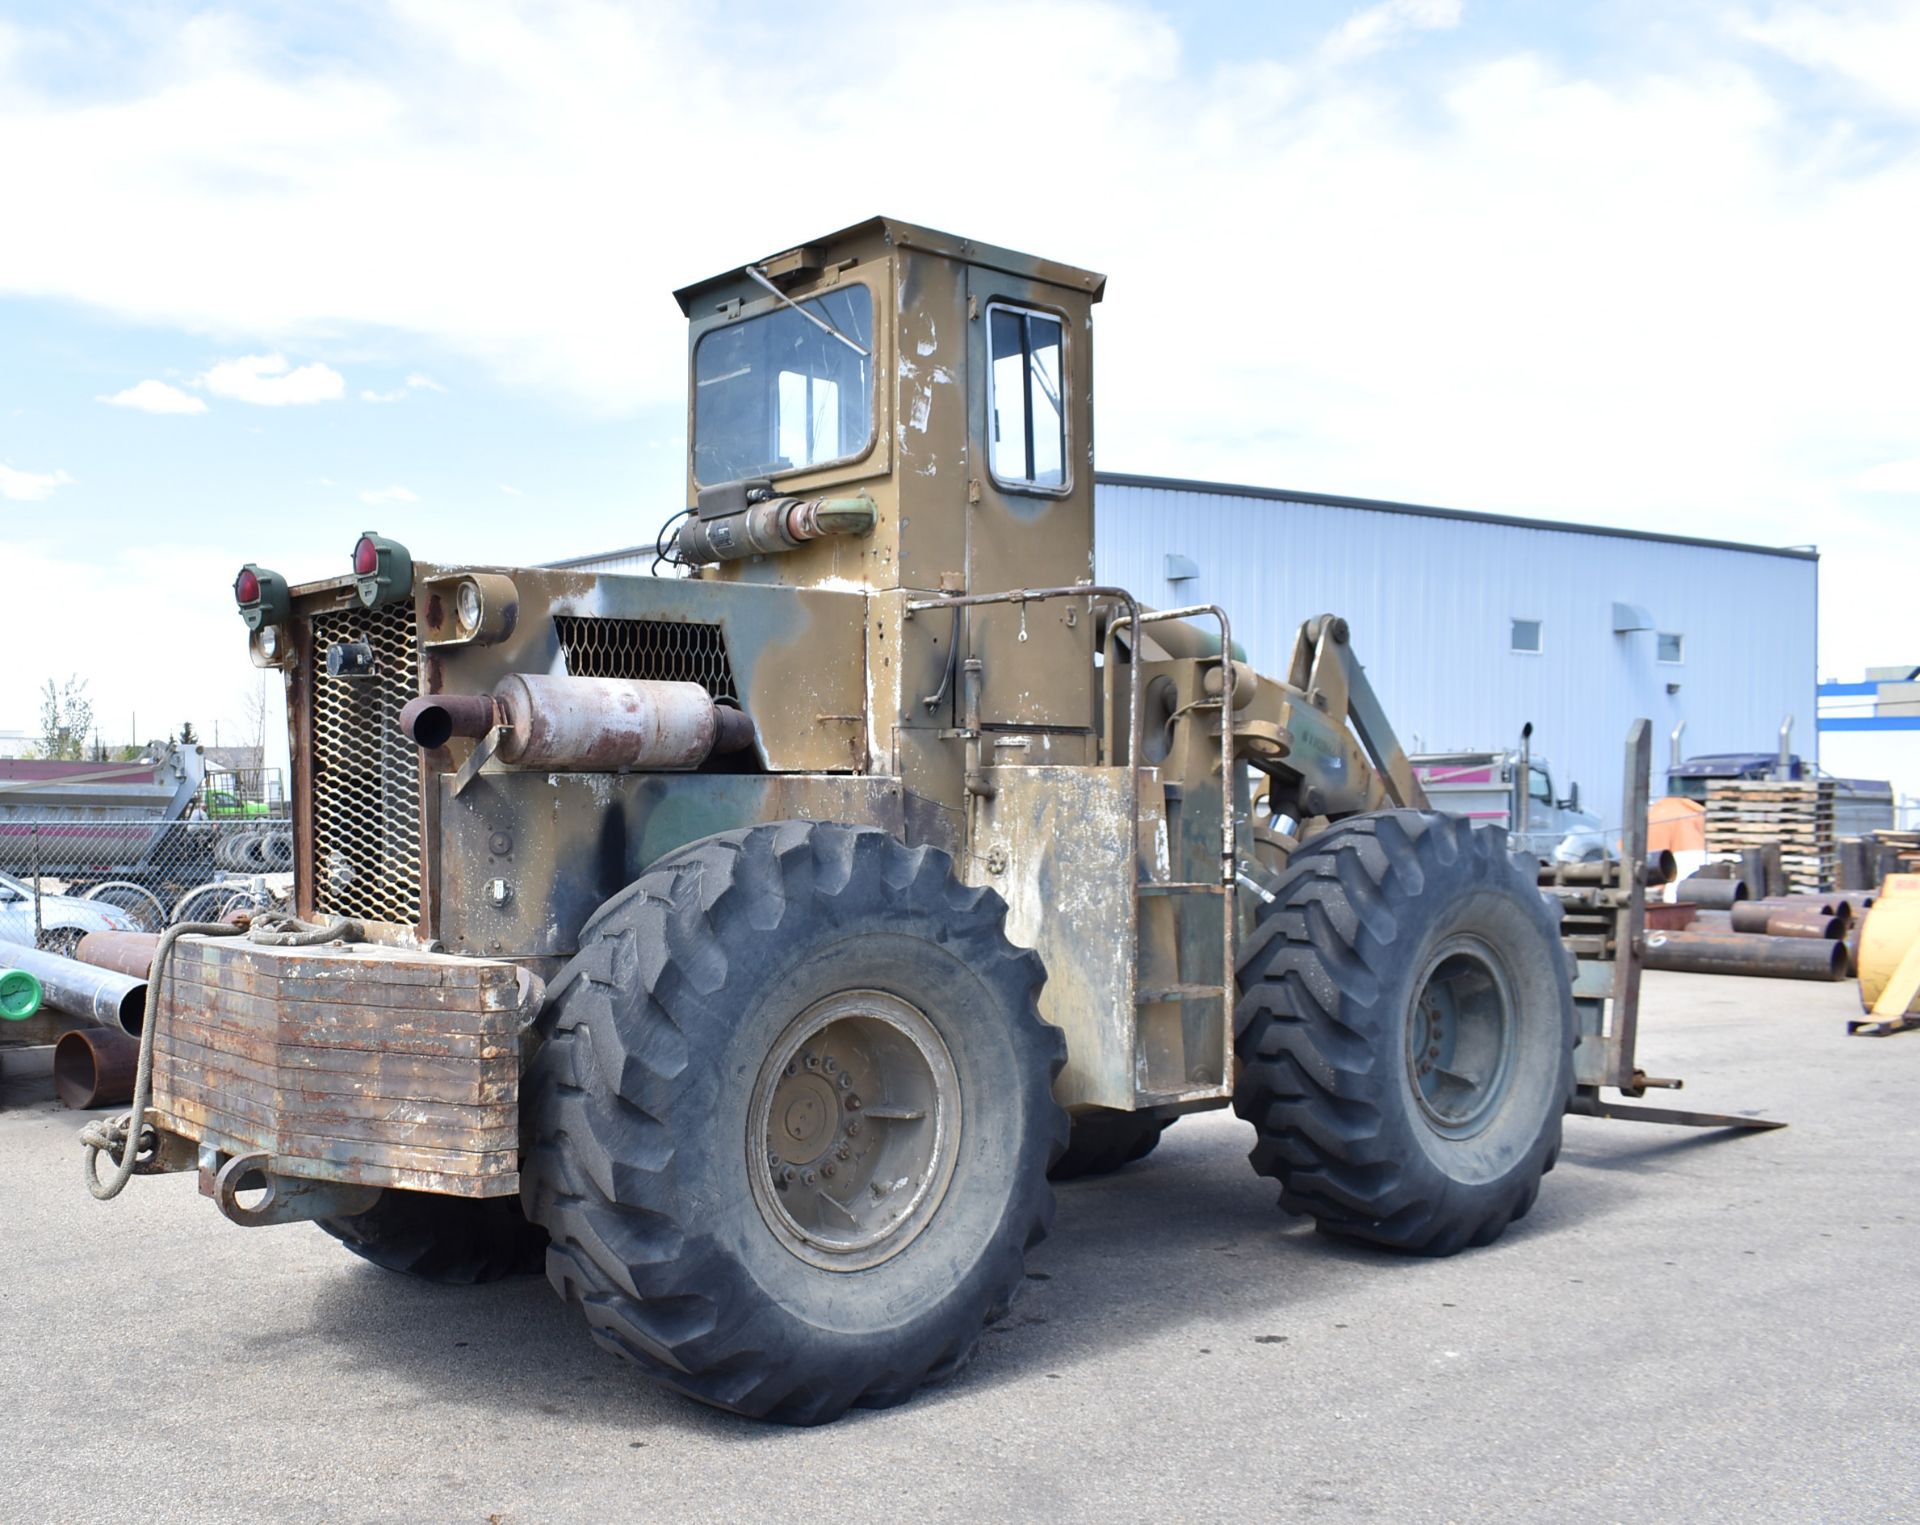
(853, 1130)
(1460, 1037)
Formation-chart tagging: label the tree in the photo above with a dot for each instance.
(66, 719)
(188, 736)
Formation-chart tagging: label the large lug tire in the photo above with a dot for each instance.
(1405, 1033)
(1103, 1140)
(769, 1019)
(459, 1241)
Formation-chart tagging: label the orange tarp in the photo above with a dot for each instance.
(1677, 824)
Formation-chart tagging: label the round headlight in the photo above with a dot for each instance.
(467, 605)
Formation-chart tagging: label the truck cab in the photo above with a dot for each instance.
(1486, 786)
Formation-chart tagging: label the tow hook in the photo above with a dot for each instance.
(288, 1199)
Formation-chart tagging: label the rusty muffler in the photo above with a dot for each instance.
(94, 1067)
(592, 725)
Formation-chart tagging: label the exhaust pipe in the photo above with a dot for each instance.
(1782, 768)
(1523, 786)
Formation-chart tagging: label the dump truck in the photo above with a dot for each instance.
(749, 946)
(1515, 789)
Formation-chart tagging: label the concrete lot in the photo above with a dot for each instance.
(1688, 1327)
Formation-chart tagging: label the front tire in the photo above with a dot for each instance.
(792, 1119)
(1405, 1033)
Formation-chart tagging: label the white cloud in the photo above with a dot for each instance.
(271, 381)
(414, 383)
(30, 486)
(1890, 476)
(1873, 46)
(156, 397)
(382, 495)
(1380, 26)
(510, 491)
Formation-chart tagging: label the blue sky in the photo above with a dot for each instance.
(409, 266)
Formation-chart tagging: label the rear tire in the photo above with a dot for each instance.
(1405, 1033)
(1104, 1140)
(459, 1241)
(757, 1227)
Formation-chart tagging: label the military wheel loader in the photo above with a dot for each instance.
(744, 944)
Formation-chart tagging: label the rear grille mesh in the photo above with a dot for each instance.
(366, 775)
(676, 651)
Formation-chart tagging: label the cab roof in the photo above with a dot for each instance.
(906, 235)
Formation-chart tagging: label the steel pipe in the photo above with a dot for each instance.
(81, 990)
(125, 952)
(1709, 921)
(1696, 890)
(1661, 867)
(94, 1067)
(1785, 958)
(1776, 920)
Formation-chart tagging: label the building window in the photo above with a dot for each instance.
(1026, 409)
(1526, 636)
(1671, 649)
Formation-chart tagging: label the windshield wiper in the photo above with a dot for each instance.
(814, 318)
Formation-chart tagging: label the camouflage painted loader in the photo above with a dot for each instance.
(746, 945)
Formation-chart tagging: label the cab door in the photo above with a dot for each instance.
(1030, 497)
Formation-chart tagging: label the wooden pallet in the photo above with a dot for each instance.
(1797, 817)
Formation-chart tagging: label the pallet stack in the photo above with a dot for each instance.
(1744, 814)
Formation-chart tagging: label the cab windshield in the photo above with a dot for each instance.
(778, 393)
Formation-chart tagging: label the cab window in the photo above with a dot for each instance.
(1539, 786)
(777, 392)
(1026, 408)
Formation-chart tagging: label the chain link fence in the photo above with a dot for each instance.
(58, 872)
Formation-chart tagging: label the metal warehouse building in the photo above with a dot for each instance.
(1472, 624)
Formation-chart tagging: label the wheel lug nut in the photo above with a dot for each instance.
(787, 1173)
(792, 1068)
(845, 1151)
(807, 1179)
(827, 1171)
(853, 1128)
(813, 1061)
(853, 1103)
(846, 1081)
(829, 1065)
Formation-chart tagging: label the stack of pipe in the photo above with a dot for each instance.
(104, 993)
(1794, 937)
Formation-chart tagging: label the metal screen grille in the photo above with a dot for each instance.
(366, 775)
(675, 651)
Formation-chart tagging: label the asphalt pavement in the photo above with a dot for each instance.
(1689, 1327)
